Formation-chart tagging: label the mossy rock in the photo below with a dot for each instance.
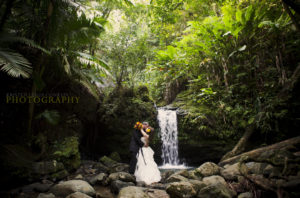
(107, 161)
(115, 156)
(59, 175)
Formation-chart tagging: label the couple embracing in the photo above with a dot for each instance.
(142, 163)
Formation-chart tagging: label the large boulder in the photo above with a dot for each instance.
(123, 176)
(46, 195)
(197, 185)
(154, 193)
(166, 174)
(183, 173)
(98, 179)
(194, 175)
(207, 169)
(176, 178)
(117, 185)
(78, 195)
(215, 191)
(68, 187)
(256, 167)
(215, 179)
(132, 192)
(245, 195)
(232, 172)
(181, 190)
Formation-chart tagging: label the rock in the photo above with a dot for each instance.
(65, 188)
(78, 195)
(103, 192)
(115, 156)
(101, 168)
(47, 167)
(119, 167)
(183, 173)
(214, 191)
(132, 192)
(245, 195)
(215, 179)
(117, 185)
(176, 178)
(165, 175)
(193, 175)
(181, 190)
(38, 187)
(232, 172)
(197, 185)
(59, 175)
(98, 179)
(207, 169)
(46, 195)
(107, 161)
(157, 186)
(141, 184)
(123, 176)
(256, 167)
(154, 193)
(79, 176)
(238, 187)
(271, 171)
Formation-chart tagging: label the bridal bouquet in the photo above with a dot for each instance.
(138, 125)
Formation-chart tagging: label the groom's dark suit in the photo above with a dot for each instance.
(135, 145)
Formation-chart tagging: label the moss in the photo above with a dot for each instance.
(115, 156)
(59, 175)
(107, 161)
(67, 152)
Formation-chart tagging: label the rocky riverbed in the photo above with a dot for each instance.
(273, 173)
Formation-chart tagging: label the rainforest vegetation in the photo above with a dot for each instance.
(232, 67)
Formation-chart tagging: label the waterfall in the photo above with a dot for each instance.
(168, 132)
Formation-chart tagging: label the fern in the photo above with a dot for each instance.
(14, 64)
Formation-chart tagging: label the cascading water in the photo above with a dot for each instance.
(168, 131)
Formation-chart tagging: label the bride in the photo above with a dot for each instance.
(146, 169)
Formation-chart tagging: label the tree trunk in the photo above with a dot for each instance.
(240, 146)
(254, 154)
(37, 69)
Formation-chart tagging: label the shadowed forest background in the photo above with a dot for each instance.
(230, 67)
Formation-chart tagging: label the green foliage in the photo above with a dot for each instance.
(51, 116)
(233, 82)
(67, 152)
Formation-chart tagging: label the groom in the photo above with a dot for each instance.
(135, 145)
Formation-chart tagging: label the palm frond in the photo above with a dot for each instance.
(8, 38)
(88, 59)
(85, 81)
(14, 64)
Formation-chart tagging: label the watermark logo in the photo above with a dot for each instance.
(49, 98)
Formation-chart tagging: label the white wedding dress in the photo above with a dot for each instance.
(146, 169)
